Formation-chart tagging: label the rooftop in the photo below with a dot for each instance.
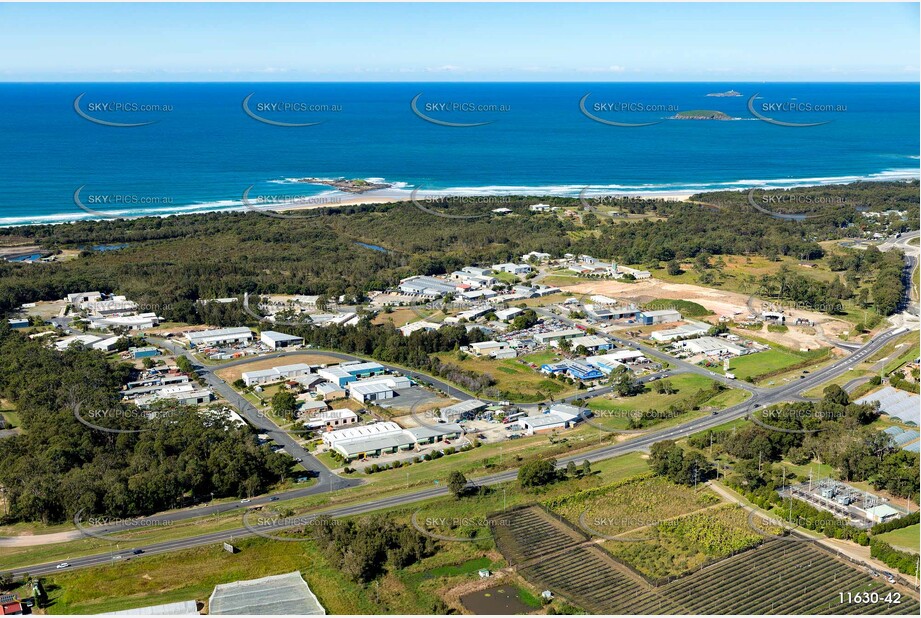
(274, 595)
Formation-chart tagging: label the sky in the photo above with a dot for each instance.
(460, 42)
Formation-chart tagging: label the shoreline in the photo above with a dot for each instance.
(337, 199)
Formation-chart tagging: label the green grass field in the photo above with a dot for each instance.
(760, 363)
(908, 538)
(613, 412)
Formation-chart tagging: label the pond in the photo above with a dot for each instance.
(502, 600)
(372, 247)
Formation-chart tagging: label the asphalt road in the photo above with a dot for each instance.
(762, 398)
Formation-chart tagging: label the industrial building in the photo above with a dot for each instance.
(711, 346)
(661, 316)
(507, 314)
(141, 321)
(331, 419)
(427, 286)
(387, 437)
(559, 416)
(686, 330)
(600, 312)
(275, 340)
(557, 335)
(408, 329)
(514, 269)
(592, 343)
(18, 323)
(577, 370)
(236, 334)
(337, 375)
(370, 393)
(329, 391)
(275, 374)
(464, 410)
(606, 363)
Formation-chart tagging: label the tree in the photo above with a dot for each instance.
(586, 468)
(835, 394)
(284, 404)
(673, 268)
(538, 472)
(184, 364)
(457, 483)
(571, 469)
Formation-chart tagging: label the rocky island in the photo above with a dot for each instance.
(701, 114)
(346, 185)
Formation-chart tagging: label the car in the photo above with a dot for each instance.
(116, 557)
(137, 552)
(63, 565)
(273, 499)
(298, 459)
(245, 501)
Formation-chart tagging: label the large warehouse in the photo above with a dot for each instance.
(275, 340)
(275, 374)
(386, 437)
(237, 334)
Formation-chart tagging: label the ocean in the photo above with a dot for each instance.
(202, 146)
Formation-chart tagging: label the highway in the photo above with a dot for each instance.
(760, 398)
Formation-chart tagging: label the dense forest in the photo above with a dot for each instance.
(59, 466)
(172, 262)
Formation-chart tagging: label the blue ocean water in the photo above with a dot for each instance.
(201, 149)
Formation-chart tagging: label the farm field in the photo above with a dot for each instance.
(908, 538)
(684, 544)
(613, 412)
(515, 380)
(631, 505)
(467, 518)
(777, 577)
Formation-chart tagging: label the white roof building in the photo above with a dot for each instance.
(279, 595)
(508, 314)
(275, 374)
(712, 346)
(409, 329)
(275, 340)
(237, 334)
(686, 330)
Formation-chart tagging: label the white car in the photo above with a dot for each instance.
(63, 565)
(245, 501)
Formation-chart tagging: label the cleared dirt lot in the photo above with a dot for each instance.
(721, 303)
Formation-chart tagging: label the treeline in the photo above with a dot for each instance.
(837, 203)
(59, 466)
(833, 431)
(904, 561)
(170, 263)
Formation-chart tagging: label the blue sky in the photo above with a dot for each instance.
(459, 42)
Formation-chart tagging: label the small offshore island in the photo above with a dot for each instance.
(701, 114)
(728, 93)
(354, 185)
